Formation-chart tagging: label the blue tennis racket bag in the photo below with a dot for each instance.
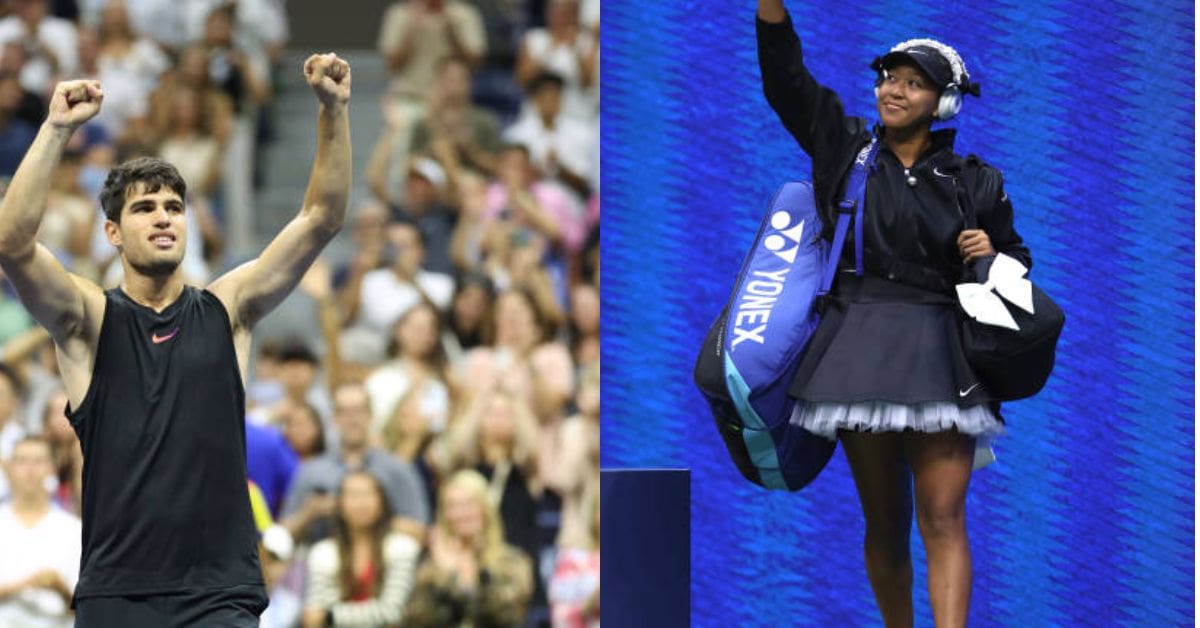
(752, 351)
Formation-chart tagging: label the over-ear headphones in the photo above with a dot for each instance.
(950, 100)
(949, 103)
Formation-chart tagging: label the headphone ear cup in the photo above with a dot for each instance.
(876, 91)
(949, 103)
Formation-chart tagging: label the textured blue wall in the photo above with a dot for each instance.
(1087, 517)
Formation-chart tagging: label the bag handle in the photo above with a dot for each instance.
(856, 188)
(970, 221)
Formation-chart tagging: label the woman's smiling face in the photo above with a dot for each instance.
(906, 98)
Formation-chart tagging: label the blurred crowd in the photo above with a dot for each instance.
(428, 456)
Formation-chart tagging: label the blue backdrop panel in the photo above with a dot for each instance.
(1087, 517)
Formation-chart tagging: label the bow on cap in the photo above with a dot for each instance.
(1006, 276)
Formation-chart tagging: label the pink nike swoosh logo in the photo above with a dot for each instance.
(157, 339)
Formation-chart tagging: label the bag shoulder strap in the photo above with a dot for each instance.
(851, 204)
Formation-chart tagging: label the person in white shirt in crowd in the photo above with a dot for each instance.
(417, 34)
(387, 293)
(12, 428)
(260, 26)
(50, 43)
(414, 38)
(417, 363)
(566, 49)
(39, 544)
(128, 65)
(560, 147)
(160, 20)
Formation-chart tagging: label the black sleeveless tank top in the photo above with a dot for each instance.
(165, 501)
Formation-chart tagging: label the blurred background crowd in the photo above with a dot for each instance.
(422, 416)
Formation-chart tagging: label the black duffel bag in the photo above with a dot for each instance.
(1014, 363)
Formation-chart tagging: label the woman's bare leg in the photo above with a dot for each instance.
(941, 467)
(885, 491)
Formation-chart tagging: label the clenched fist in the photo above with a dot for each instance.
(329, 76)
(74, 102)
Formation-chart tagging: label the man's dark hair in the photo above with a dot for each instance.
(398, 216)
(151, 172)
(542, 79)
(294, 349)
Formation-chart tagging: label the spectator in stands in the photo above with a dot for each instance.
(560, 147)
(361, 576)
(70, 216)
(423, 204)
(518, 347)
(15, 321)
(304, 432)
(160, 20)
(470, 577)
(298, 371)
(263, 389)
(575, 475)
(270, 463)
(416, 35)
(387, 293)
(11, 428)
(33, 106)
(236, 66)
(310, 498)
(575, 586)
(65, 452)
(229, 59)
(369, 236)
(470, 193)
(496, 435)
(192, 71)
(469, 312)
(565, 49)
(49, 42)
(417, 362)
(186, 139)
(585, 324)
(473, 132)
(128, 66)
(534, 213)
(39, 543)
(16, 135)
(410, 429)
(259, 26)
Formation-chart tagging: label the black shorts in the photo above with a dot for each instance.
(237, 606)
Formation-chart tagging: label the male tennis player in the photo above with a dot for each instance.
(154, 370)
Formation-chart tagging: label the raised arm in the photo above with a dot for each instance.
(771, 11)
(59, 301)
(811, 113)
(253, 289)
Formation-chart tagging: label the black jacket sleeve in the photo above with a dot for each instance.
(813, 114)
(995, 216)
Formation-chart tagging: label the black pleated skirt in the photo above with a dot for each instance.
(882, 341)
